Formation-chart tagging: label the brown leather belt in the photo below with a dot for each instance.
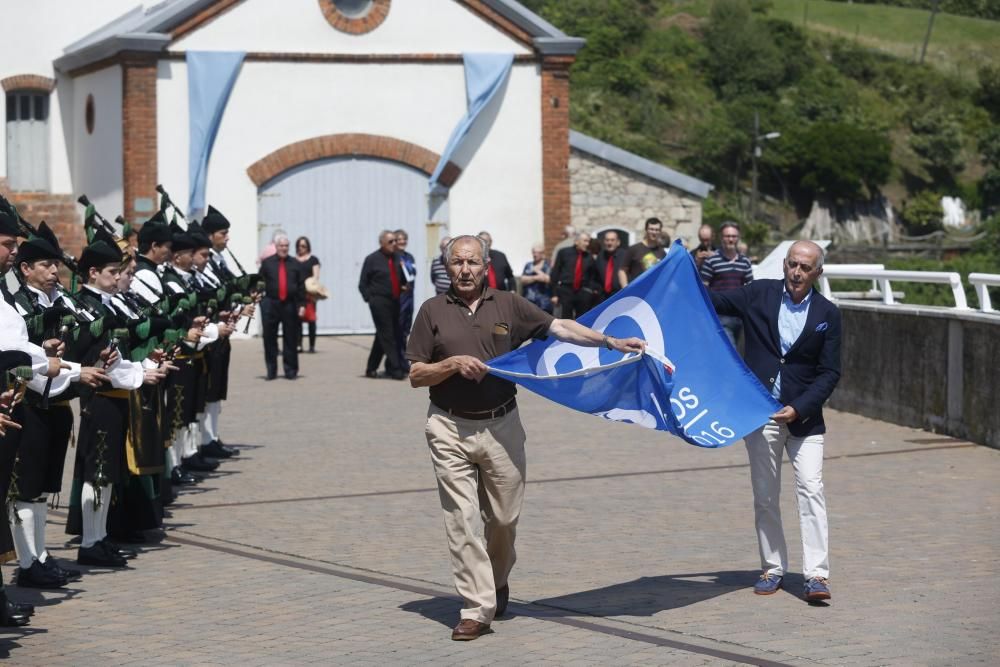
(495, 413)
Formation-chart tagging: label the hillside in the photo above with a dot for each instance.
(681, 81)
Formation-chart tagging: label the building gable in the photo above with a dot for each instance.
(394, 27)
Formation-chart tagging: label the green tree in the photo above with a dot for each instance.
(923, 214)
(837, 161)
(988, 93)
(937, 139)
(742, 55)
(989, 186)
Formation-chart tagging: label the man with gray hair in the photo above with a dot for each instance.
(793, 347)
(473, 429)
(381, 285)
(283, 304)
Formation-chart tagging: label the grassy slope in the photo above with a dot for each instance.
(958, 44)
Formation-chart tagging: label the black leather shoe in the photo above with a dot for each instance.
(200, 463)
(291, 376)
(233, 451)
(111, 547)
(181, 477)
(99, 556)
(503, 595)
(39, 576)
(52, 565)
(20, 608)
(9, 615)
(216, 450)
(371, 374)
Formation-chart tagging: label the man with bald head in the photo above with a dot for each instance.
(792, 338)
(382, 284)
(473, 429)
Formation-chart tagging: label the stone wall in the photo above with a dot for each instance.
(603, 195)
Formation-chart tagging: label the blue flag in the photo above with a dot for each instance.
(690, 382)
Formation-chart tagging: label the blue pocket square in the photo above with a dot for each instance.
(822, 326)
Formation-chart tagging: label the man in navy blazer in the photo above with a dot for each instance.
(792, 338)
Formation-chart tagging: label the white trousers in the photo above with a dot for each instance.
(765, 447)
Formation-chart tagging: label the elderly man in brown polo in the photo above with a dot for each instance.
(473, 429)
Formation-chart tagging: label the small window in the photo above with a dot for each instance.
(25, 108)
(88, 114)
(41, 110)
(11, 108)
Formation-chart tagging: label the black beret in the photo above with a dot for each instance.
(8, 224)
(214, 221)
(35, 249)
(182, 242)
(99, 254)
(154, 232)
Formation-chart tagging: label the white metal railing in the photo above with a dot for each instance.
(982, 282)
(884, 278)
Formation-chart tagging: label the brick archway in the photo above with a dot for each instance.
(28, 82)
(338, 145)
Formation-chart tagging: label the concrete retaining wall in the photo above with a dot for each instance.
(930, 368)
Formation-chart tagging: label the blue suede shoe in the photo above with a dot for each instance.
(767, 584)
(817, 588)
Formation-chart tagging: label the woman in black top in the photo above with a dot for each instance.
(310, 267)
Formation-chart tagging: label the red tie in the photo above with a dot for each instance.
(578, 272)
(282, 280)
(491, 277)
(608, 273)
(394, 277)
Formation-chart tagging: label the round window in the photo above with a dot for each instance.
(355, 17)
(353, 9)
(88, 114)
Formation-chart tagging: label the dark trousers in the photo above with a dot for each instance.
(285, 314)
(574, 304)
(311, 328)
(405, 326)
(385, 315)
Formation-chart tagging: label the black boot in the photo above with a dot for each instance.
(99, 556)
(181, 477)
(10, 617)
(39, 576)
(52, 565)
(199, 463)
(217, 450)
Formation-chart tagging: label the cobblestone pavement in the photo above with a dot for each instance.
(323, 542)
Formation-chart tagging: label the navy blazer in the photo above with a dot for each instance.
(811, 368)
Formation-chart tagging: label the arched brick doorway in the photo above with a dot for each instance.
(340, 190)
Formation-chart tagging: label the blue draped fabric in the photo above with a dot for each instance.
(211, 76)
(691, 382)
(485, 74)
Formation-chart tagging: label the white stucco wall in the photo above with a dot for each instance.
(276, 104)
(35, 34)
(412, 26)
(97, 157)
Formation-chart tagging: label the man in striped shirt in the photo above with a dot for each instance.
(727, 269)
(439, 269)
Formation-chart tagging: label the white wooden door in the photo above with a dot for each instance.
(341, 204)
(28, 141)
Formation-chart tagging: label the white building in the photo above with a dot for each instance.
(339, 112)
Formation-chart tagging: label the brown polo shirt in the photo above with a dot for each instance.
(445, 327)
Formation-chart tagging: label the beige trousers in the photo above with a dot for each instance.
(480, 470)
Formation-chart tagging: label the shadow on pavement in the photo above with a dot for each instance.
(647, 596)
(443, 610)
